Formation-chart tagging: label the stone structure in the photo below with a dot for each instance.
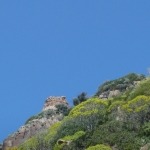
(36, 125)
(51, 102)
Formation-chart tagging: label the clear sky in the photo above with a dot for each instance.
(65, 47)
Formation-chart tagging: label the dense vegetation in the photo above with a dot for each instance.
(120, 123)
(121, 84)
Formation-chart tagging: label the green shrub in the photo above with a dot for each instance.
(114, 133)
(142, 89)
(51, 134)
(80, 98)
(99, 147)
(67, 140)
(30, 144)
(62, 109)
(146, 129)
(74, 137)
(137, 111)
(89, 107)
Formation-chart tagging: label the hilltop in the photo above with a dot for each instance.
(116, 117)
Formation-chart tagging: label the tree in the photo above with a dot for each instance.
(80, 98)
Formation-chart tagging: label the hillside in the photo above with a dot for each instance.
(117, 117)
(53, 111)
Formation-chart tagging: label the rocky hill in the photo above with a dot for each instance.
(117, 117)
(119, 86)
(53, 111)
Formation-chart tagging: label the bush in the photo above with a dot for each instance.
(80, 98)
(137, 111)
(114, 133)
(121, 84)
(99, 147)
(62, 109)
(146, 129)
(50, 137)
(30, 144)
(65, 142)
(142, 89)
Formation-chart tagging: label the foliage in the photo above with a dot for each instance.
(115, 133)
(74, 137)
(63, 109)
(115, 105)
(52, 132)
(89, 107)
(12, 148)
(99, 147)
(146, 129)
(67, 140)
(120, 84)
(31, 143)
(137, 112)
(80, 98)
(142, 89)
(138, 104)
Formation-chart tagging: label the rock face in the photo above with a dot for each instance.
(38, 123)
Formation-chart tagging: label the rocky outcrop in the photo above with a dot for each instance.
(109, 94)
(27, 131)
(114, 88)
(116, 92)
(39, 123)
(51, 102)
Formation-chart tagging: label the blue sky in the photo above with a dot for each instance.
(64, 48)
